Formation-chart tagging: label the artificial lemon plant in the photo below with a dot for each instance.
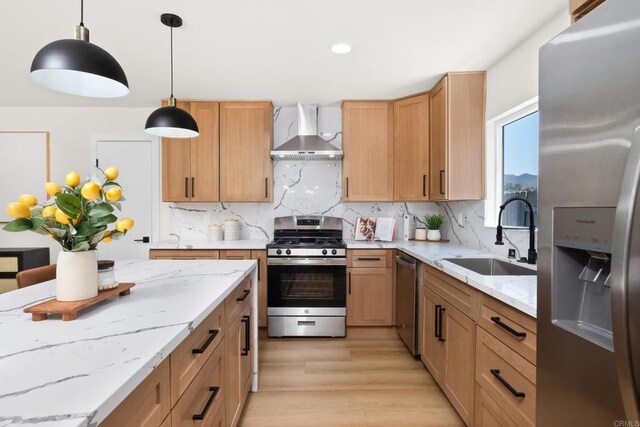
(77, 215)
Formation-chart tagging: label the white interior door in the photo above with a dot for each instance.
(134, 159)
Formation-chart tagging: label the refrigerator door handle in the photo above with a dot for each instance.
(625, 248)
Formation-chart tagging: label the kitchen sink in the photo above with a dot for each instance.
(492, 267)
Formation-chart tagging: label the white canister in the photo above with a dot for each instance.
(106, 277)
(215, 232)
(434, 235)
(231, 229)
(421, 234)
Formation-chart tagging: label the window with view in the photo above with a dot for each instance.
(520, 169)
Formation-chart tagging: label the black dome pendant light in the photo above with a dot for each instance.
(171, 121)
(78, 67)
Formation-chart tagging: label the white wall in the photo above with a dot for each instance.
(70, 132)
(514, 78)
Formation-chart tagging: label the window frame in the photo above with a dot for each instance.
(494, 159)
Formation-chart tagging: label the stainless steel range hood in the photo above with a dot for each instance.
(307, 145)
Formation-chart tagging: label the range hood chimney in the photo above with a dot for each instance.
(307, 145)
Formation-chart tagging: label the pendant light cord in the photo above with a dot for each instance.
(82, 13)
(172, 62)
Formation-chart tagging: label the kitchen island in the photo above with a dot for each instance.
(76, 373)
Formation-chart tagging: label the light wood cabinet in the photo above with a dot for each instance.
(246, 138)
(579, 8)
(457, 110)
(488, 413)
(367, 142)
(261, 257)
(190, 165)
(235, 254)
(148, 405)
(432, 351)
(411, 149)
(239, 367)
(369, 297)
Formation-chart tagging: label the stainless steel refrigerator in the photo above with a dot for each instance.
(588, 365)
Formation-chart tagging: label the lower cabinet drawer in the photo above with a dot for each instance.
(203, 400)
(236, 300)
(194, 351)
(507, 377)
(280, 326)
(148, 405)
(488, 413)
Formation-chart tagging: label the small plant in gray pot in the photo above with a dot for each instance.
(434, 222)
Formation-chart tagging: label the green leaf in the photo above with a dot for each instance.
(116, 235)
(85, 229)
(41, 231)
(59, 232)
(36, 212)
(69, 204)
(109, 183)
(36, 223)
(117, 205)
(98, 210)
(97, 238)
(108, 219)
(20, 224)
(80, 246)
(72, 229)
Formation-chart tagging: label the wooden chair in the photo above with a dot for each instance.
(36, 275)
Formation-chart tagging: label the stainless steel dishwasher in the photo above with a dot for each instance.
(407, 301)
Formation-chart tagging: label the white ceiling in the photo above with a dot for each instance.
(278, 49)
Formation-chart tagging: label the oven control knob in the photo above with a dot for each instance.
(288, 251)
(324, 252)
(334, 252)
(279, 251)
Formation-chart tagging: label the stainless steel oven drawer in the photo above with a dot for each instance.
(288, 326)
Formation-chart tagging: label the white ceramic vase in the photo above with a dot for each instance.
(76, 276)
(434, 235)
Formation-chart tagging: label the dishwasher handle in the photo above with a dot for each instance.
(409, 264)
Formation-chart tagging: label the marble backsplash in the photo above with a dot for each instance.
(315, 188)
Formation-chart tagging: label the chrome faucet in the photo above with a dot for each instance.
(532, 254)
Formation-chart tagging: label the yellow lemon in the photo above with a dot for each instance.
(90, 191)
(106, 237)
(51, 188)
(62, 217)
(19, 210)
(111, 173)
(72, 179)
(28, 200)
(124, 224)
(49, 211)
(114, 194)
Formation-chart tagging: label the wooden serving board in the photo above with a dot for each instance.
(70, 309)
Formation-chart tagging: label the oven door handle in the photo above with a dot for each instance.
(306, 261)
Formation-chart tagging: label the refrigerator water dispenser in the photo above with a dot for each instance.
(581, 290)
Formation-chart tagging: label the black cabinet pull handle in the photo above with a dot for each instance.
(213, 334)
(214, 392)
(193, 187)
(347, 186)
(437, 313)
(247, 335)
(266, 188)
(368, 258)
(441, 181)
(145, 239)
(186, 187)
(424, 185)
(349, 280)
(440, 337)
(496, 373)
(508, 328)
(244, 295)
(258, 269)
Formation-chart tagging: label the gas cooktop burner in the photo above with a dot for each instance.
(308, 237)
(306, 241)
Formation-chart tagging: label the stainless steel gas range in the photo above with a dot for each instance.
(307, 267)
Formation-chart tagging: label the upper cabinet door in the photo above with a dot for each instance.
(246, 138)
(367, 141)
(176, 166)
(204, 180)
(411, 149)
(438, 141)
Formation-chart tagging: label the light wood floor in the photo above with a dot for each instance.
(367, 379)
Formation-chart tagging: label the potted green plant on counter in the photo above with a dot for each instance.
(78, 217)
(434, 222)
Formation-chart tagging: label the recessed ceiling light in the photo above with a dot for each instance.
(341, 48)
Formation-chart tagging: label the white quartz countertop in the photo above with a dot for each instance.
(204, 244)
(55, 373)
(519, 292)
